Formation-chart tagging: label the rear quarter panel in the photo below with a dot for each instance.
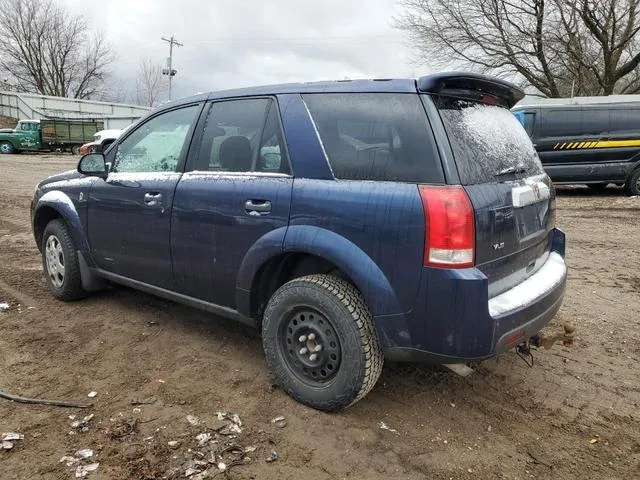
(384, 220)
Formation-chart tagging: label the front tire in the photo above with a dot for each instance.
(633, 185)
(60, 262)
(320, 342)
(6, 147)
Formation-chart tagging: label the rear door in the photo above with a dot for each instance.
(236, 190)
(129, 213)
(511, 195)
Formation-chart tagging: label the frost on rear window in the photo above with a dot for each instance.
(487, 140)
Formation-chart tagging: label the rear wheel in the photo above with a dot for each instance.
(320, 342)
(633, 185)
(598, 187)
(60, 262)
(6, 147)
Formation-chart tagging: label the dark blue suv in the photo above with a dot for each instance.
(349, 221)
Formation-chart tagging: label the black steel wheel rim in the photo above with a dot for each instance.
(310, 346)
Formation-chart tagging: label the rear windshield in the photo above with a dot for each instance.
(488, 142)
(376, 136)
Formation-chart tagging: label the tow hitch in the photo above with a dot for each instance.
(524, 349)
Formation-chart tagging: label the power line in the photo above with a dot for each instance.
(169, 70)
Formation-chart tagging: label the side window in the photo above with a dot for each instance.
(157, 145)
(624, 119)
(273, 155)
(562, 123)
(529, 122)
(242, 136)
(376, 136)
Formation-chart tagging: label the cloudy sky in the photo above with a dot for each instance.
(233, 43)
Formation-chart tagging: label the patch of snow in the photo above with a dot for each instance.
(56, 196)
(4, 306)
(489, 139)
(549, 276)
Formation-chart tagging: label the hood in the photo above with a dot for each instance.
(68, 175)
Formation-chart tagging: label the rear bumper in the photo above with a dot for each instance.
(454, 319)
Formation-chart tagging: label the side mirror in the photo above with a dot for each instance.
(93, 165)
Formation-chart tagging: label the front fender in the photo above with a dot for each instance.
(64, 206)
(354, 262)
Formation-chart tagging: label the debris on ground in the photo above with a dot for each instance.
(122, 429)
(82, 425)
(4, 306)
(232, 428)
(279, 422)
(8, 439)
(273, 457)
(84, 453)
(84, 470)
(92, 394)
(193, 420)
(203, 439)
(54, 403)
(145, 401)
(384, 426)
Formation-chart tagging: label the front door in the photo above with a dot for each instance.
(236, 189)
(129, 213)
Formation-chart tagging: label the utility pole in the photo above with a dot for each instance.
(169, 70)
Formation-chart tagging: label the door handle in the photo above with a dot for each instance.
(152, 198)
(258, 206)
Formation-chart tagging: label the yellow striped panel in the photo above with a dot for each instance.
(617, 143)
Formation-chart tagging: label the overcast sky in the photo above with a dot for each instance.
(233, 43)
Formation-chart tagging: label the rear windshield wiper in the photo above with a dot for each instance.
(511, 170)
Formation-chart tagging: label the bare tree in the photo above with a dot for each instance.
(149, 86)
(585, 47)
(45, 49)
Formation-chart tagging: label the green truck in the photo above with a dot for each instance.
(49, 135)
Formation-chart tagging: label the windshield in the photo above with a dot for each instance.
(488, 142)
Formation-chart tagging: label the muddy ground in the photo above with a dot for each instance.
(575, 414)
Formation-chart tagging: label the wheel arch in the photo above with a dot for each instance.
(306, 250)
(56, 204)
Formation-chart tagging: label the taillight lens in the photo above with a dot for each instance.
(450, 233)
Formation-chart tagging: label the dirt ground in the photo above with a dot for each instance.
(575, 414)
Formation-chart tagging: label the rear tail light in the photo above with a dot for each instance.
(450, 233)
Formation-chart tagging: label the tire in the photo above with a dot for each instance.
(7, 147)
(632, 187)
(60, 262)
(597, 187)
(350, 360)
(75, 149)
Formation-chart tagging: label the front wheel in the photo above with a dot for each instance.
(6, 147)
(320, 342)
(60, 262)
(633, 185)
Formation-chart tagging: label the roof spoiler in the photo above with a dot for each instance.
(461, 82)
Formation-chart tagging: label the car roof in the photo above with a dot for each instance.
(427, 84)
(338, 86)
